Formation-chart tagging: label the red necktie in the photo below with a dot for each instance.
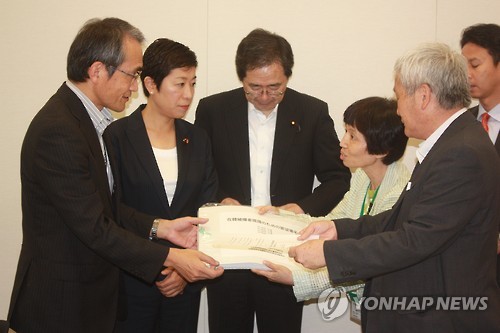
(484, 121)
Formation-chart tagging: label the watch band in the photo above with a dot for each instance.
(153, 233)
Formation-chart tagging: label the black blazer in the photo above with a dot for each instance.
(305, 146)
(475, 111)
(140, 179)
(439, 239)
(67, 278)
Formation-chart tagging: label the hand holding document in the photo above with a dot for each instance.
(240, 238)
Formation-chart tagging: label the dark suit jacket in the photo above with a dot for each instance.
(305, 145)
(475, 111)
(67, 278)
(141, 182)
(439, 239)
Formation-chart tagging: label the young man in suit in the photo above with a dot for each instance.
(481, 47)
(74, 241)
(269, 142)
(439, 240)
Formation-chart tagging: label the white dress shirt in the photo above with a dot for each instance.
(261, 140)
(426, 146)
(166, 159)
(493, 122)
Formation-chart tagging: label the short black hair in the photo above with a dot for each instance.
(99, 40)
(485, 35)
(163, 56)
(262, 48)
(377, 119)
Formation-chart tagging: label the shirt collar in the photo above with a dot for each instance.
(260, 115)
(100, 118)
(426, 146)
(494, 113)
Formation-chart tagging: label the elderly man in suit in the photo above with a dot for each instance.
(438, 243)
(269, 142)
(74, 237)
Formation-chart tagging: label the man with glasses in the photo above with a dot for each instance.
(68, 273)
(269, 142)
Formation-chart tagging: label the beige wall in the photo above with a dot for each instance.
(344, 50)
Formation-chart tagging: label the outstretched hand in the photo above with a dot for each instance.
(292, 207)
(193, 265)
(230, 202)
(325, 229)
(310, 254)
(278, 273)
(182, 231)
(267, 209)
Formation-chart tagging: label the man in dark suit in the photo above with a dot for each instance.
(68, 273)
(481, 47)
(269, 142)
(439, 240)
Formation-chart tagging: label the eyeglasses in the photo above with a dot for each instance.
(272, 91)
(135, 76)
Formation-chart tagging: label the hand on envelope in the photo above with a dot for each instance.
(310, 254)
(182, 231)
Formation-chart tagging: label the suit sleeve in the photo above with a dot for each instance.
(333, 176)
(434, 218)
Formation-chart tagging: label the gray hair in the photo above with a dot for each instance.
(437, 65)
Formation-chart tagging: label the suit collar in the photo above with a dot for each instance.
(475, 110)
(138, 138)
(77, 109)
(427, 145)
(236, 124)
(288, 127)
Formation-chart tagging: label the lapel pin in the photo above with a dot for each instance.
(296, 125)
(185, 140)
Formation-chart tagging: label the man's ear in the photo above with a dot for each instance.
(97, 71)
(424, 95)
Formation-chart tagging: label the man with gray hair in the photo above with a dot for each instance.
(431, 259)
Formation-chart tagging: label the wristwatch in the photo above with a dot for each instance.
(153, 233)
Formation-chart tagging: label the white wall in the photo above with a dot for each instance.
(344, 50)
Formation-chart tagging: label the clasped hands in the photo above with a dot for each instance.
(188, 264)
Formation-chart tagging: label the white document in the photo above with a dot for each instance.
(240, 238)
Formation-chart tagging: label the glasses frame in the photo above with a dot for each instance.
(260, 91)
(135, 76)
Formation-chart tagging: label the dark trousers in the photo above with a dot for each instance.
(148, 311)
(237, 295)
